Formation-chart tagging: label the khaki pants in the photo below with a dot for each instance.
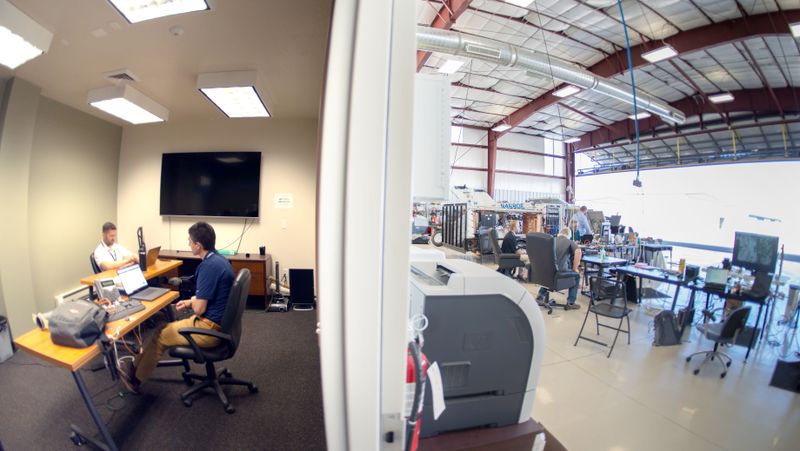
(167, 337)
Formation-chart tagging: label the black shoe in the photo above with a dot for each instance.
(127, 374)
(572, 307)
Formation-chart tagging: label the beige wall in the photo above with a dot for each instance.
(288, 165)
(73, 191)
(57, 183)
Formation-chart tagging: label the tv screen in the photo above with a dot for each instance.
(210, 184)
(755, 252)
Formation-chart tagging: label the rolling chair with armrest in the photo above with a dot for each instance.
(723, 333)
(506, 263)
(541, 248)
(230, 336)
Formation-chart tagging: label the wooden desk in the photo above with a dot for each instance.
(160, 268)
(260, 267)
(38, 343)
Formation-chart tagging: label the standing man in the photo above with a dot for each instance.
(568, 256)
(214, 279)
(584, 226)
(109, 254)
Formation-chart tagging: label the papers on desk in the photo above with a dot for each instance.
(641, 265)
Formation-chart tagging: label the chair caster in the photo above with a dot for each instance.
(188, 380)
(227, 373)
(229, 409)
(728, 364)
(77, 439)
(689, 359)
(550, 312)
(696, 372)
(722, 376)
(187, 402)
(252, 388)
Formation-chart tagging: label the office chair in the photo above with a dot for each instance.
(541, 248)
(723, 333)
(230, 336)
(506, 263)
(603, 301)
(93, 262)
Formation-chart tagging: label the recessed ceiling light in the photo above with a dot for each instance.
(640, 116)
(234, 93)
(450, 66)
(722, 97)
(660, 54)
(136, 11)
(21, 38)
(567, 91)
(128, 104)
(795, 29)
(520, 3)
(501, 127)
(571, 140)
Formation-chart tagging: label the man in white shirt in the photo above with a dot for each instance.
(109, 254)
(584, 226)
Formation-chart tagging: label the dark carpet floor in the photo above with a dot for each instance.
(278, 353)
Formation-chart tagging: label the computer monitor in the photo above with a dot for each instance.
(755, 252)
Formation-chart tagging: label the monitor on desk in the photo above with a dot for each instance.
(755, 252)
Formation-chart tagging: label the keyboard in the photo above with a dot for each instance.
(124, 309)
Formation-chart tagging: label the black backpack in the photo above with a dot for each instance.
(667, 332)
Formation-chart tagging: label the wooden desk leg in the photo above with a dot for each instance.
(77, 435)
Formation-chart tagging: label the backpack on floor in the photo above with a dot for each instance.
(667, 332)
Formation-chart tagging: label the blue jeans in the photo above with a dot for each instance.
(572, 295)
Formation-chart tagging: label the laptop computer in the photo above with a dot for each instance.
(135, 284)
(716, 278)
(152, 256)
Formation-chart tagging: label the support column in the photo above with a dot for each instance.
(569, 170)
(492, 166)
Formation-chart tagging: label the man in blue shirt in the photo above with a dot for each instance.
(214, 279)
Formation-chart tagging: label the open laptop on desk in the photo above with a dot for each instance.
(716, 279)
(135, 285)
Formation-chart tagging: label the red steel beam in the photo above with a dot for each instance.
(444, 20)
(503, 171)
(508, 149)
(756, 100)
(704, 37)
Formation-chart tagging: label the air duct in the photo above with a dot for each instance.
(455, 43)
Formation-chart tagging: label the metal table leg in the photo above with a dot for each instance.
(675, 297)
(753, 335)
(109, 444)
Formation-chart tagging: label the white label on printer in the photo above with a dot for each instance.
(435, 378)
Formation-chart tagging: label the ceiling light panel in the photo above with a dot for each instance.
(501, 128)
(640, 116)
(128, 104)
(450, 66)
(660, 54)
(571, 140)
(795, 29)
(136, 11)
(234, 93)
(567, 91)
(520, 3)
(721, 97)
(21, 38)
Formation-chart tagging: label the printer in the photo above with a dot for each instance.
(486, 333)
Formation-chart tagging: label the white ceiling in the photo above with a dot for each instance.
(285, 41)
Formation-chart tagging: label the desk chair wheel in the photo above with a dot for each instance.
(77, 439)
(187, 379)
(728, 365)
(252, 388)
(230, 409)
(722, 376)
(187, 402)
(689, 359)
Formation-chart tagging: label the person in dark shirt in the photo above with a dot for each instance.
(214, 279)
(568, 258)
(509, 245)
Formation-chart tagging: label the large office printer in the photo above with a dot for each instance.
(486, 334)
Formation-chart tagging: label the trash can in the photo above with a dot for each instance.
(6, 349)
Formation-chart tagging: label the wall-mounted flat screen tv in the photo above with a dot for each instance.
(210, 184)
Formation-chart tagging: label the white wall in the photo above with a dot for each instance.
(288, 165)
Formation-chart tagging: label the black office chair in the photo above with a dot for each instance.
(95, 267)
(506, 263)
(723, 333)
(230, 337)
(541, 249)
(604, 300)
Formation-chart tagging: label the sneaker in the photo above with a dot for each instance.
(127, 374)
(572, 307)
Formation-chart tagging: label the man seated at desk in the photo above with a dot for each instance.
(568, 256)
(109, 254)
(509, 245)
(214, 279)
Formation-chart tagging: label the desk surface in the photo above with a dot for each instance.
(609, 261)
(38, 341)
(653, 274)
(160, 267)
